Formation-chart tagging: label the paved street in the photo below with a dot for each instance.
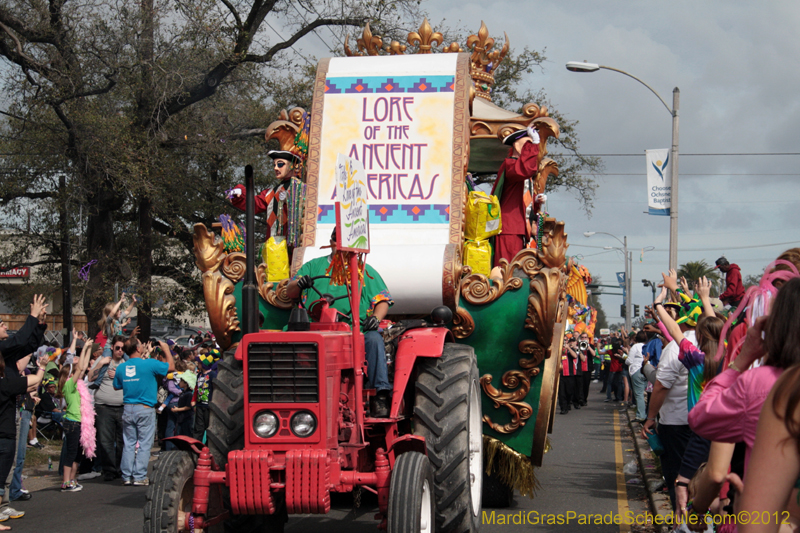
(579, 475)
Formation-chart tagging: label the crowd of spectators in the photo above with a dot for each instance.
(716, 390)
(109, 401)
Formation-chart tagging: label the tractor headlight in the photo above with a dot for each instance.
(303, 424)
(266, 424)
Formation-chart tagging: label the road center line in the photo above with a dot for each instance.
(622, 489)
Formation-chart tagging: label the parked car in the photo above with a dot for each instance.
(181, 340)
(163, 328)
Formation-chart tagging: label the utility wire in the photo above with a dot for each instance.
(642, 174)
(633, 249)
(315, 30)
(292, 46)
(680, 155)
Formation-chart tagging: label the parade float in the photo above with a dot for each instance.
(420, 123)
(581, 317)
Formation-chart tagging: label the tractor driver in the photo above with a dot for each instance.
(375, 303)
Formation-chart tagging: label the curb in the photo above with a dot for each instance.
(659, 501)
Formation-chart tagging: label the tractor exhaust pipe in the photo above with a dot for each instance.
(249, 289)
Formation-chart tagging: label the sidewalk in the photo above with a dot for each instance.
(650, 470)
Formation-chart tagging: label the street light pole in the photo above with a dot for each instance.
(673, 207)
(583, 66)
(629, 291)
(628, 260)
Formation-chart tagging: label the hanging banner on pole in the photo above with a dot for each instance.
(659, 181)
(352, 209)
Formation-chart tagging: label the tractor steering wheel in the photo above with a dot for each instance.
(329, 298)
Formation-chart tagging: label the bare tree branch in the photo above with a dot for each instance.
(28, 34)
(19, 56)
(234, 13)
(305, 30)
(92, 92)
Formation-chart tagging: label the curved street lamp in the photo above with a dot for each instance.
(582, 66)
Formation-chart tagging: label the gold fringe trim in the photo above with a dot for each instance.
(512, 468)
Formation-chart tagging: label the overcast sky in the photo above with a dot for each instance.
(736, 66)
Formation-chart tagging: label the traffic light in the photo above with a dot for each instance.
(635, 309)
(622, 310)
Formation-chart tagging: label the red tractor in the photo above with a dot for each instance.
(290, 424)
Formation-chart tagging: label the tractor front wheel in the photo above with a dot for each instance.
(447, 412)
(411, 495)
(169, 496)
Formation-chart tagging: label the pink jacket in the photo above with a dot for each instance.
(729, 407)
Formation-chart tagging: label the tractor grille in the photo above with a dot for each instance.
(283, 373)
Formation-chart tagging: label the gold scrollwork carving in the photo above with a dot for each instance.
(463, 324)
(424, 37)
(544, 309)
(234, 266)
(477, 289)
(209, 251)
(533, 347)
(371, 44)
(519, 383)
(395, 48)
(275, 295)
(221, 304)
(554, 246)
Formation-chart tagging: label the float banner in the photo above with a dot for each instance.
(398, 124)
(353, 214)
(659, 181)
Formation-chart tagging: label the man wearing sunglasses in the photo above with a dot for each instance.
(275, 200)
(109, 407)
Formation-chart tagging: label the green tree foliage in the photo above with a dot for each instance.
(124, 123)
(137, 116)
(694, 270)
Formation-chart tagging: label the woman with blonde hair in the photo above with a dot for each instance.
(78, 421)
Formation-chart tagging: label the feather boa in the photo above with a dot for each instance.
(88, 432)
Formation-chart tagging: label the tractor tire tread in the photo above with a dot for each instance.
(441, 412)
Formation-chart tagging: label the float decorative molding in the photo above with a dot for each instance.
(477, 289)
(463, 323)
(209, 250)
(285, 129)
(546, 307)
(424, 38)
(274, 294)
(519, 384)
(546, 304)
(368, 44)
(553, 253)
(485, 60)
(234, 266)
(221, 305)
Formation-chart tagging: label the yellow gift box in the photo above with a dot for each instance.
(482, 216)
(478, 255)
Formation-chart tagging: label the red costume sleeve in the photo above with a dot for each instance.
(240, 202)
(525, 166)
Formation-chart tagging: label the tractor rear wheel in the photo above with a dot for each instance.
(411, 495)
(226, 421)
(447, 412)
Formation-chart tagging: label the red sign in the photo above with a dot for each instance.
(19, 272)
